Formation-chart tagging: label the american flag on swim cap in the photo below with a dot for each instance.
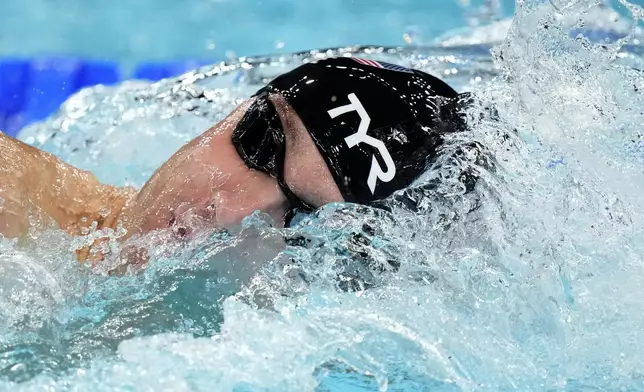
(382, 64)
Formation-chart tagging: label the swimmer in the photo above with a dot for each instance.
(336, 130)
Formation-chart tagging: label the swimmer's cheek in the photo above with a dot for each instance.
(233, 208)
(231, 211)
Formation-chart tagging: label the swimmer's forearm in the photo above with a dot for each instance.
(36, 187)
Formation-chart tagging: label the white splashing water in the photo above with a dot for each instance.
(530, 282)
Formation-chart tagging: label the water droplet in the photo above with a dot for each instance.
(105, 212)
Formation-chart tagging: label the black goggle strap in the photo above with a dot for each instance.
(295, 202)
(276, 132)
(253, 136)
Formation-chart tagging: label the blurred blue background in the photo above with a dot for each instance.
(50, 49)
(130, 31)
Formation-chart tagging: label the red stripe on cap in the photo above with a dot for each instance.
(367, 62)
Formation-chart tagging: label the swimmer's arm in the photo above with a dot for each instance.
(37, 188)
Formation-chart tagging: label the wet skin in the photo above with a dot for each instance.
(204, 185)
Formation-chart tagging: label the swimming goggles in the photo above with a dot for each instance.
(260, 142)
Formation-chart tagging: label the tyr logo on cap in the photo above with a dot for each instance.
(376, 172)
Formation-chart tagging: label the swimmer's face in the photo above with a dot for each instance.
(305, 171)
(206, 185)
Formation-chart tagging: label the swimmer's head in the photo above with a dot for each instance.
(336, 130)
(376, 125)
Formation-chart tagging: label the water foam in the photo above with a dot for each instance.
(528, 282)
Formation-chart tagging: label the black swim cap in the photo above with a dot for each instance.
(377, 125)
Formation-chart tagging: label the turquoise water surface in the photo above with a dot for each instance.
(530, 282)
(132, 31)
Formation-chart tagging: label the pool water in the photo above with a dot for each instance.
(144, 30)
(530, 282)
(49, 50)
